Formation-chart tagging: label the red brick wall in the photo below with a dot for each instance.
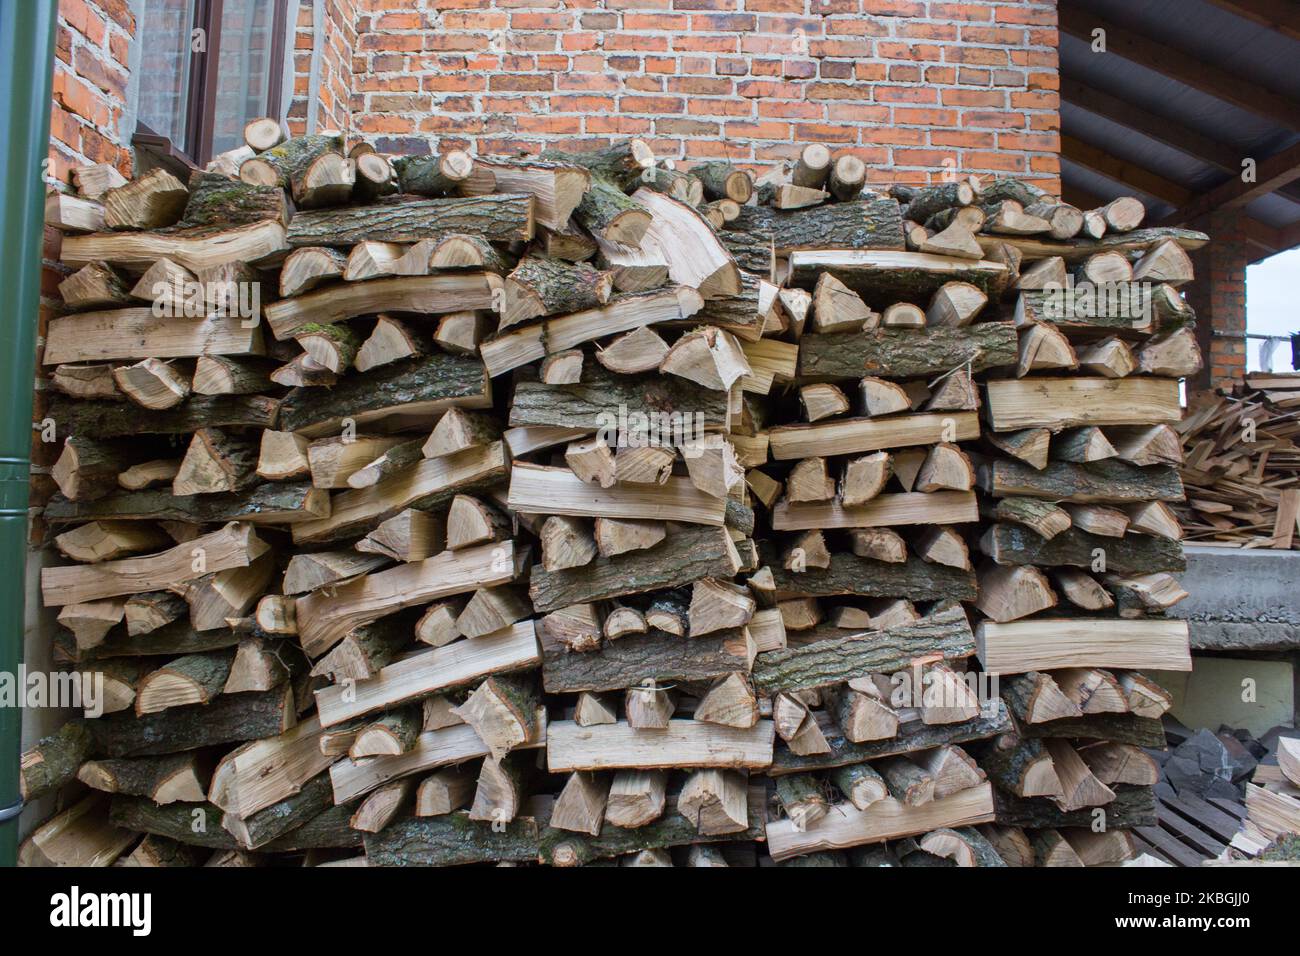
(92, 52)
(336, 80)
(905, 84)
(1219, 297)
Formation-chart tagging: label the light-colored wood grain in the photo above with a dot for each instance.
(845, 826)
(535, 489)
(1048, 643)
(137, 251)
(428, 672)
(854, 435)
(683, 743)
(1066, 402)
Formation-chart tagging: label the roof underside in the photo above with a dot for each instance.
(1185, 91)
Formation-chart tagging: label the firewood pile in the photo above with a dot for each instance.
(1242, 464)
(581, 510)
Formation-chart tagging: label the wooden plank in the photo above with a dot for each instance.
(845, 826)
(1049, 643)
(851, 436)
(1058, 403)
(137, 333)
(420, 675)
(1173, 850)
(536, 489)
(1175, 824)
(326, 616)
(682, 744)
(938, 507)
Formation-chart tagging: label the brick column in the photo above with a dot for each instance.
(1219, 297)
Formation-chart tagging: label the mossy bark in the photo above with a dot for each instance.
(429, 378)
(944, 634)
(194, 824)
(117, 419)
(603, 207)
(54, 761)
(617, 164)
(1132, 554)
(452, 840)
(270, 823)
(566, 848)
(231, 718)
(217, 200)
(329, 830)
(848, 574)
(495, 218)
(589, 403)
(658, 656)
(1109, 480)
(689, 555)
(424, 176)
(862, 224)
(281, 501)
(908, 353)
(1132, 807)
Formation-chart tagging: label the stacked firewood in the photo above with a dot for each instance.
(583, 510)
(1242, 467)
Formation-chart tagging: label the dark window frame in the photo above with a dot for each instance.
(196, 149)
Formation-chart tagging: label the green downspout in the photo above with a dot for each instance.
(26, 65)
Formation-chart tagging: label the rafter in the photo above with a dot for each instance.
(1163, 130)
(1123, 171)
(1181, 66)
(1280, 15)
(1270, 174)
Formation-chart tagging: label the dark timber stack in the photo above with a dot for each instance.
(582, 510)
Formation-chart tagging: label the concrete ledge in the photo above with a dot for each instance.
(1241, 600)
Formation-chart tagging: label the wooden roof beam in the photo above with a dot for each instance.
(1180, 66)
(1271, 174)
(1123, 171)
(1280, 15)
(1163, 130)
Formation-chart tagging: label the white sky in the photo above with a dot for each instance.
(1272, 306)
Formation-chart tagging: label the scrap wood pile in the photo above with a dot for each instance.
(1242, 464)
(580, 510)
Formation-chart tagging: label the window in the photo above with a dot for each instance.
(206, 68)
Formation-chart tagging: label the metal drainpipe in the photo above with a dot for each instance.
(26, 64)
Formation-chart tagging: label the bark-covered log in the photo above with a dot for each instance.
(1108, 480)
(863, 224)
(1132, 554)
(911, 737)
(171, 640)
(663, 658)
(594, 403)
(328, 830)
(279, 503)
(689, 555)
(270, 823)
(452, 839)
(194, 824)
(1123, 728)
(230, 718)
(623, 164)
(848, 574)
(496, 218)
(433, 175)
(422, 385)
(163, 779)
(944, 633)
(907, 353)
(565, 848)
(218, 200)
(1132, 807)
(54, 761)
(120, 419)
